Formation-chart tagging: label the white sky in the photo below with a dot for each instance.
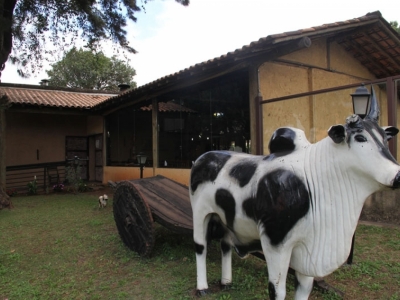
(170, 37)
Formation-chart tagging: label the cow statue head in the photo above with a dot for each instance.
(367, 145)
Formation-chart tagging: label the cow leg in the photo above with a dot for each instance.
(226, 251)
(200, 223)
(303, 287)
(278, 265)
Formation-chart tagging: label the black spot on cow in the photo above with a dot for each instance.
(370, 127)
(282, 140)
(296, 283)
(281, 200)
(271, 291)
(215, 229)
(225, 200)
(243, 172)
(198, 248)
(225, 247)
(207, 167)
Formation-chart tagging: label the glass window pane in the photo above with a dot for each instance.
(128, 133)
(214, 116)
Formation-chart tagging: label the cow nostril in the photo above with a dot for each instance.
(396, 181)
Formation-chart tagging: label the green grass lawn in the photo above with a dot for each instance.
(61, 246)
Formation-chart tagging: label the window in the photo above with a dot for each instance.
(128, 133)
(212, 117)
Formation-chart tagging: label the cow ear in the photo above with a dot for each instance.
(337, 133)
(390, 131)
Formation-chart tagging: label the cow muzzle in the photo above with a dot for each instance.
(396, 181)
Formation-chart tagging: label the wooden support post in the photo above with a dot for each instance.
(392, 113)
(256, 128)
(155, 134)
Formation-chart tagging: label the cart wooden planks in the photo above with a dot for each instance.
(139, 203)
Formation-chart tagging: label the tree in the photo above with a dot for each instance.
(88, 70)
(395, 26)
(29, 27)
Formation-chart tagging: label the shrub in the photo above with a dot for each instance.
(73, 176)
(11, 192)
(82, 186)
(58, 187)
(32, 187)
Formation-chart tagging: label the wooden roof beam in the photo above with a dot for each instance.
(382, 49)
(360, 50)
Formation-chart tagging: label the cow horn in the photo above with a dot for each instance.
(373, 113)
(352, 120)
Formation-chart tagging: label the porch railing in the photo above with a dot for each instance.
(47, 174)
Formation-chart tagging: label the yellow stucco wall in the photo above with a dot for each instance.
(306, 70)
(315, 55)
(28, 132)
(94, 125)
(277, 80)
(329, 55)
(180, 175)
(341, 61)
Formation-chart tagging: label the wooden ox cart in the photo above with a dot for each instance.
(138, 203)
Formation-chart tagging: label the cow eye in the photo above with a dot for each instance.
(360, 138)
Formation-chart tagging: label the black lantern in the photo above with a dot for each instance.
(141, 160)
(361, 101)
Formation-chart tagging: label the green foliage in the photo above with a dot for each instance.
(395, 26)
(32, 187)
(72, 179)
(58, 188)
(90, 70)
(82, 186)
(11, 192)
(40, 29)
(73, 175)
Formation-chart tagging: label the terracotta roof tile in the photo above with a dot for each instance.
(45, 97)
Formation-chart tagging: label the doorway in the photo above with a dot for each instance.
(96, 157)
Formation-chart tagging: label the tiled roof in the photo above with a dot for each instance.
(44, 96)
(168, 107)
(369, 38)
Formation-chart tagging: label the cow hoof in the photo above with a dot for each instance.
(201, 293)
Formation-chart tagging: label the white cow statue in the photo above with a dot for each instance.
(299, 205)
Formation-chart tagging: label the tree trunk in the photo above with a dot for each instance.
(4, 199)
(6, 13)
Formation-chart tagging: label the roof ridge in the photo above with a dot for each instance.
(56, 88)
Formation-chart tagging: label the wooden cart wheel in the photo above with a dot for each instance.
(133, 218)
